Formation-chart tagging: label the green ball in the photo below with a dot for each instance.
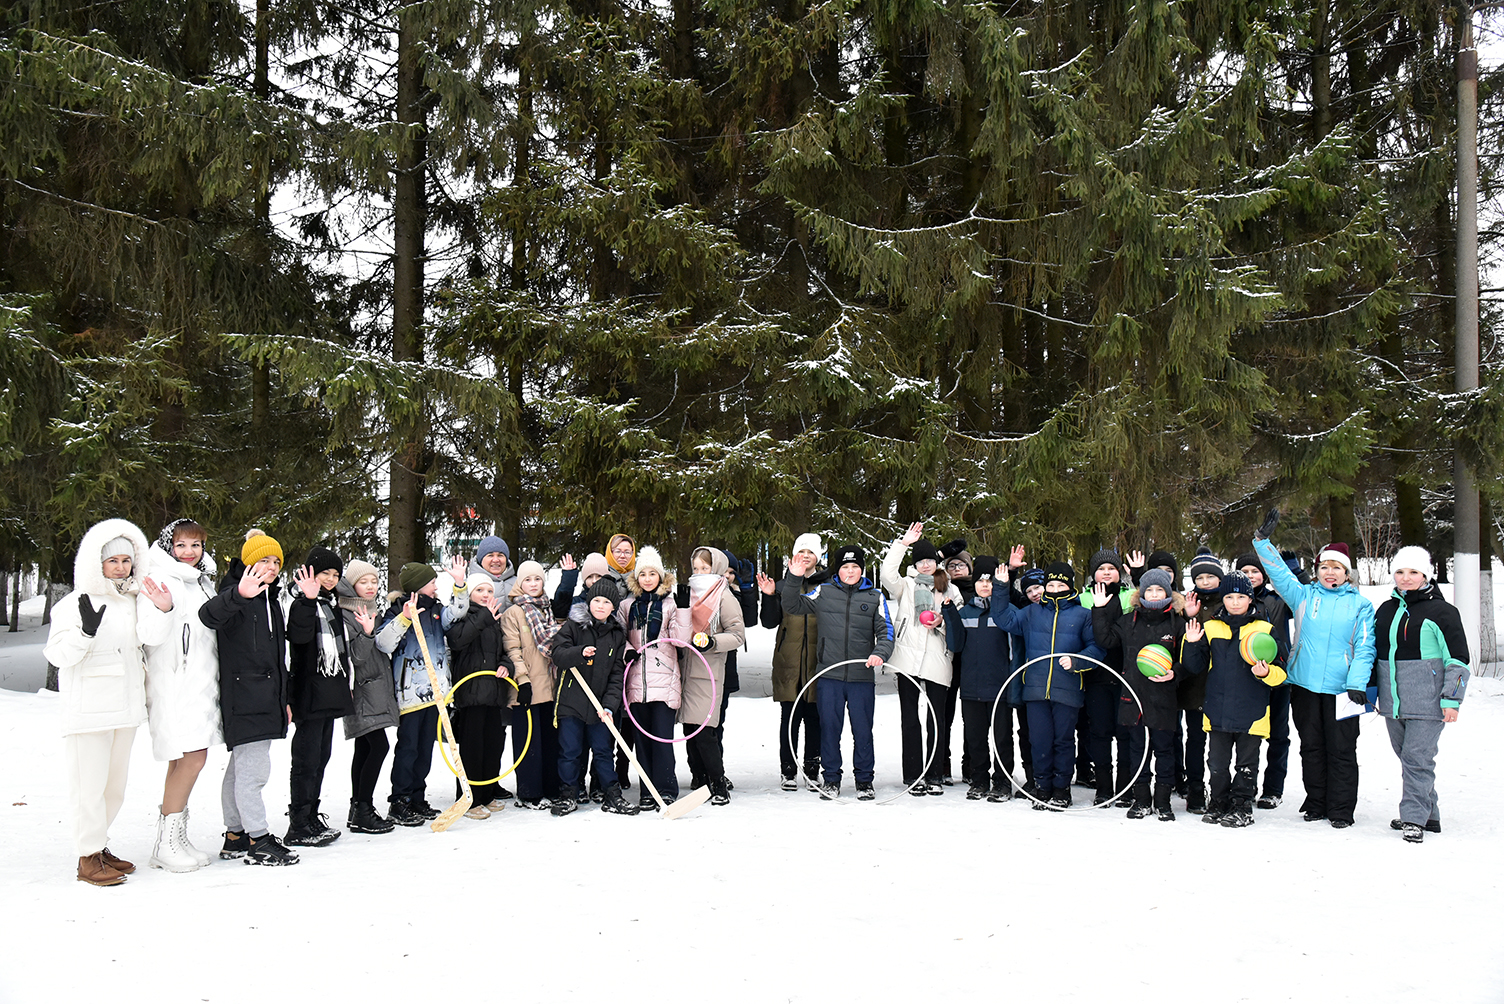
(1155, 660)
(1259, 646)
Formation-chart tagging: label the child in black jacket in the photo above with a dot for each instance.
(480, 713)
(598, 650)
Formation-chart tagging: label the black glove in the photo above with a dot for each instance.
(1271, 520)
(1358, 696)
(88, 616)
(709, 641)
(681, 596)
(525, 695)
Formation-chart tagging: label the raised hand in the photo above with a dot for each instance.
(410, 609)
(1194, 631)
(1015, 558)
(457, 570)
(494, 605)
(1271, 520)
(88, 617)
(800, 565)
(160, 596)
(1099, 594)
(307, 582)
(366, 620)
(1136, 559)
(567, 563)
(765, 585)
(1192, 605)
(253, 583)
(912, 534)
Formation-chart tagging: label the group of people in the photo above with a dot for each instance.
(597, 676)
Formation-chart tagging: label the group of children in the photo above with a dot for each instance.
(624, 652)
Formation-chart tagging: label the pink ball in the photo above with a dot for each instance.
(928, 618)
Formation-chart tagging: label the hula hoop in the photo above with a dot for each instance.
(627, 706)
(992, 739)
(525, 744)
(930, 714)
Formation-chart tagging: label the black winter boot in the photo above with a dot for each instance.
(615, 803)
(812, 770)
(1195, 798)
(720, 792)
(1216, 810)
(1241, 814)
(363, 818)
(567, 802)
(1140, 808)
(1162, 803)
(301, 832)
(400, 811)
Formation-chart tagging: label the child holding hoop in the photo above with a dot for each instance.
(653, 685)
(480, 716)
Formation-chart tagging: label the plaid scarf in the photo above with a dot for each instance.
(646, 615)
(540, 620)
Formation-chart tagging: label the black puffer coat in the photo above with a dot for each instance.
(475, 646)
(602, 671)
(252, 640)
(312, 694)
(1130, 631)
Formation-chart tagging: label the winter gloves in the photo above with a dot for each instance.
(702, 641)
(88, 617)
(1267, 527)
(1357, 696)
(525, 695)
(681, 596)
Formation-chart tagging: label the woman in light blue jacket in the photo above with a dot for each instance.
(1330, 662)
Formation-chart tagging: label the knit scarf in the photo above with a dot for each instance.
(705, 601)
(924, 593)
(540, 620)
(646, 615)
(331, 639)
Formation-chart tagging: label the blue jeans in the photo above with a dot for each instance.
(414, 754)
(574, 733)
(835, 699)
(1052, 734)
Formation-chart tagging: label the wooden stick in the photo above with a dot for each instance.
(459, 808)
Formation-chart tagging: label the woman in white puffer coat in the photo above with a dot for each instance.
(182, 685)
(920, 650)
(95, 643)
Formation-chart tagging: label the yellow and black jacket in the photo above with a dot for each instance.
(1236, 700)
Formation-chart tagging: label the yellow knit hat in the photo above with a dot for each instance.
(257, 546)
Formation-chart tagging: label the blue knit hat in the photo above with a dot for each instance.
(490, 545)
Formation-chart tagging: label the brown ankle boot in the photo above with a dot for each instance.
(94, 870)
(121, 865)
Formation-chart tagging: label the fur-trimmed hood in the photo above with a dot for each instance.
(88, 564)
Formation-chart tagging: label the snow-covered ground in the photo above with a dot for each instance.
(776, 897)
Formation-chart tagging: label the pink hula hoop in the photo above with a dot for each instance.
(627, 705)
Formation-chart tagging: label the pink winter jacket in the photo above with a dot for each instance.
(658, 667)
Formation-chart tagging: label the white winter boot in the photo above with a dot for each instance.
(168, 852)
(198, 855)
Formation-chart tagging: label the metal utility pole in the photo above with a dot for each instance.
(1465, 525)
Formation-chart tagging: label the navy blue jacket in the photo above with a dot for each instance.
(985, 658)
(1057, 625)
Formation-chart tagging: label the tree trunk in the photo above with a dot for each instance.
(15, 602)
(405, 507)
(261, 376)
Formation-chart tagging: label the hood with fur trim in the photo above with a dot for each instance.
(88, 564)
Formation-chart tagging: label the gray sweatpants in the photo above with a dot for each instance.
(1414, 741)
(246, 774)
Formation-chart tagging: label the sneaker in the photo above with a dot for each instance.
(1140, 810)
(1100, 800)
(999, 793)
(536, 804)
(1269, 801)
(1124, 802)
(1061, 800)
(976, 791)
(720, 792)
(645, 803)
(829, 791)
(268, 850)
(498, 804)
(1433, 825)
(364, 819)
(865, 792)
(477, 812)
(1165, 815)
(423, 809)
(812, 771)
(947, 781)
(564, 805)
(1214, 813)
(920, 789)
(400, 812)
(1041, 801)
(236, 845)
(597, 795)
(1238, 817)
(936, 787)
(789, 784)
(1414, 832)
(727, 782)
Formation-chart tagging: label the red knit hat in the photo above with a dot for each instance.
(1338, 552)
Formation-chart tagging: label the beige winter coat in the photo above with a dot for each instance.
(697, 698)
(528, 664)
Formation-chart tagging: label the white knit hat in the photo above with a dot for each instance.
(479, 579)
(648, 557)
(1413, 557)
(809, 542)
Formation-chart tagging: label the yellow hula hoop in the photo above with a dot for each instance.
(449, 698)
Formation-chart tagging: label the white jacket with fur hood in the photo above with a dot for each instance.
(102, 679)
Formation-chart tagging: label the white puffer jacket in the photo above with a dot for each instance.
(917, 650)
(102, 680)
(182, 673)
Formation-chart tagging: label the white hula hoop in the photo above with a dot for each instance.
(992, 728)
(928, 707)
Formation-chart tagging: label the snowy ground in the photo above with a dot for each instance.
(776, 897)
